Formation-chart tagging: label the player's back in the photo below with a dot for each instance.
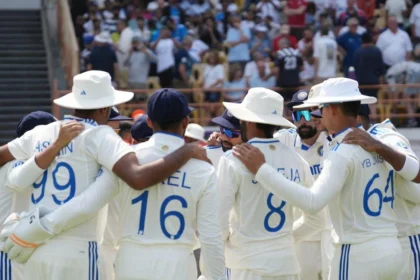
(261, 223)
(164, 214)
(363, 210)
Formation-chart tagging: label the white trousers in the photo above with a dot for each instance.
(140, 262)
(64, 260)
(410, 269)
(107, 262)
(309, 257)
(10, 270)
(377, 259)
(242, 274)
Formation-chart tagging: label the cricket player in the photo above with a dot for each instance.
(357, 186)
(74, 254)
(308, 142)
(160, 244)
(140, 131)
(229, 136)
(257, 224)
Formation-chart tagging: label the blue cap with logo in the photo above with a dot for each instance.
(297, 99)
(32, 120)
(140, 129)
(227, 120)
(116, 116)
(168, 105)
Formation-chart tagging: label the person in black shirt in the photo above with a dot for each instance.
(209, 34)
(369, 67)
(289, 63)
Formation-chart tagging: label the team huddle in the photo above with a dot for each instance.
(327, 196)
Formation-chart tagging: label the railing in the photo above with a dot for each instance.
(387, 107)
(68, 42)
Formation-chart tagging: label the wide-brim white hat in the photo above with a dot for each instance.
(340, 90)
(314, 92)
(93, 90)
(195, 131)
(260, 105)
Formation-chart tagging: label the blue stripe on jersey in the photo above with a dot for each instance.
(1, 267)
(93, 261)
(344, 262)
(348, 260)
(227, 273)
(96, 262)
(340, 275)
(263, 142)
(212, 147)
(5, 267)
(417, 256)
(10, 270)
(90, 261)
(415, 253)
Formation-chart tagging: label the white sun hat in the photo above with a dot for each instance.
(93, 90)
(260, 105)
(313, 93)
(195, 131)
(340, 90)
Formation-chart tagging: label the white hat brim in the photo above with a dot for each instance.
(187, 134)
(305, 106)
(69, 101)
(364, 99)
(244, 114)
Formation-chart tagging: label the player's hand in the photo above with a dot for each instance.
(250, 156)
(68, 131)
(214, 139)
(363, 139)
(198, 152)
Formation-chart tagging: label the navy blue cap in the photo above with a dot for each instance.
(32, 120)
(364, 110)
(140, 129)
(227, 120)
(297, 99)
(168, 105)
(116, 116)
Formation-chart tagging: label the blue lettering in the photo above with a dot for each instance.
(315, 169)
(45, 144)
(67, 149)
(366, 163)
(173, 177)
(254, 182)
(297, 176)
(183, 185)
(38, 147)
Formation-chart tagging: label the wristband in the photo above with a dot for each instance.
(410, 168)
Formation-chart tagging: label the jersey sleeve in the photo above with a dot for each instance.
(329, 183)
(22, 175)
(408, 190)
(209, 231)
(85, 205)
(227, 189)
(398, 143)
(21, 148)
(106, 146)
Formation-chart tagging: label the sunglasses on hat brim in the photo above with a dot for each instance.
(230, 133)
(298, 115)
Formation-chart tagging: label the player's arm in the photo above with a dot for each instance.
(5, 155)
(209, 231)
(227, 188)
(408, 190)
(393, 149)
(330, 182)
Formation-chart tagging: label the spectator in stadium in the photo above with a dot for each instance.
(284, 34)
(198, 48)
(351, 11)
(269, 8)
(295, 10)
(183, 64)
(308, 73)
(235, 82)
(328, 23)
(214, 76)
(142, 30)
(88, 43)
(164, 48)
(262, 79)
(289, 63)
(251, 69)
(122, 44)
(237, 39)
(415, 22)
(174, 11)
(261, 43)
(369, 67)
(396, 8)
(209, 33)
(248, 20)
(138, 63)
(273, 28)
(325, 56)
(305, 45)
(103, 57)
(310, 16)
(394, 43)
(348, 44)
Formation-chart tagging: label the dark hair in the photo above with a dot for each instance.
(350, 109)
(325, 30)
(167, 126)
(86, 114)
(367, 38)
(268, 129)
(311, 8)
(125, 127)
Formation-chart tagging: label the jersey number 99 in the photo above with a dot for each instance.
(163, 214)
(371, 192)
(274, 210)
(70, 185)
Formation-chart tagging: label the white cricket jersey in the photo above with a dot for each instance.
(214, 153)
(110, 234)
(357, 186)
(11, 201)
(407, 198)
(74, 169)
(257, 224)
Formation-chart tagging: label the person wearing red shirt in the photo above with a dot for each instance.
(284, 33)
(295, 12)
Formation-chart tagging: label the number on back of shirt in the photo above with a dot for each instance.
(59, 184)
(275, 213)
(374, 198)
(290, 63)
(164, 215)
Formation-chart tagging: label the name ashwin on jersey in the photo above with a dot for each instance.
(42, 145)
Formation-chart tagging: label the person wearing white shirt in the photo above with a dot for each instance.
(270, 8)
(74, 169)
(123, 51)
(396, 8)
(357, 186)
(162, 244)
(360, 30)
(257, 224)
(394, 43)
(142, 30)
(415, 20)
(251, 70)
(325, 55)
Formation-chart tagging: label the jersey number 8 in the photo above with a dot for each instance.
(274, 210)
(378, 193)
(71, 184)
(163, 214)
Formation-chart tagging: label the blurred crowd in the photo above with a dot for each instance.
(227, 46)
